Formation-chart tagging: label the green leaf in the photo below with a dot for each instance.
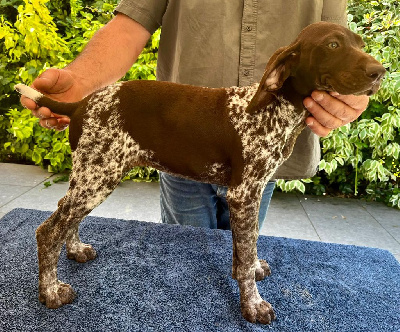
(24, 148)
(57, 146)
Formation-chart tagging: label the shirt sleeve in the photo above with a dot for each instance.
(148, 13)
(335, 11)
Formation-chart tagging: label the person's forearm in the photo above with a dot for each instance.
(109, 54)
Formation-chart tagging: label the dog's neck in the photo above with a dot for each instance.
(273, 98)
(295, 95)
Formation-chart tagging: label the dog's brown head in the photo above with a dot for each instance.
(325, 56)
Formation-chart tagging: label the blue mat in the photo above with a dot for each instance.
(152, 277)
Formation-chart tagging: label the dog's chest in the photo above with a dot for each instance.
(264, 134)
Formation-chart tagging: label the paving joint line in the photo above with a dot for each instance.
(359, 203)
(305, 211)
(25, 192)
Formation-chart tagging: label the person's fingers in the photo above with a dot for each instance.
(54, 83)
(336, 112)
(28, 103)
(55, 123)
(330, 110)
(44, 112)
(358, 103)
(322, 116)
(316, 127)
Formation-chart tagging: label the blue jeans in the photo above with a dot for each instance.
(187, 202)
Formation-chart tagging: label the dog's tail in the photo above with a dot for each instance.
(40, 99)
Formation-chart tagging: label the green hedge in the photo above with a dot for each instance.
(361, 158)
(35, 36)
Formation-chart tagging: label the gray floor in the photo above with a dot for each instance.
(327, 219)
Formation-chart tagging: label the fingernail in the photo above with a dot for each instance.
(48, 125)
(318, 96)
(308, 103)
(334, 93)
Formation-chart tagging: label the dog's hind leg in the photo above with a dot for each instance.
(77, 250)
(50, 237)
(243, 206)
(90, 184)
(88, 189)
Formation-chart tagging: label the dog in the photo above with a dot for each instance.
(236, 137)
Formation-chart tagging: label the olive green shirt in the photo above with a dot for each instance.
(223, 43)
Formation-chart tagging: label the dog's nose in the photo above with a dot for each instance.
(375, 72)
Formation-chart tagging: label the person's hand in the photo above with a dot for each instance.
(58, 84)
(332, 110)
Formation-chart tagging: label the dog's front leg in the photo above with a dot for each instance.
(244, 204)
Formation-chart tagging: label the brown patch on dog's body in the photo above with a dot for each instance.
(179, 144)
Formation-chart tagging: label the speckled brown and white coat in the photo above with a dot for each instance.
(234, 136)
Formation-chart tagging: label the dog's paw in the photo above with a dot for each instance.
(57, 295)
(259, 312)
(262, 270)
(81, 253)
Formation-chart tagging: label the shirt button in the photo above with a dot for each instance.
(249, 28)
(246, 72)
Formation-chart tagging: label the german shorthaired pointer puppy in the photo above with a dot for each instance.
(236, 137)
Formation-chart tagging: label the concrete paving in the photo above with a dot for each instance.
(326, 219)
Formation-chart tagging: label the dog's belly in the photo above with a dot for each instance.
(215, 173)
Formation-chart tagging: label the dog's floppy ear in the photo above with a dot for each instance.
(278, 69)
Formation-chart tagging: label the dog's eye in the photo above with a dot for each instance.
(333, 45)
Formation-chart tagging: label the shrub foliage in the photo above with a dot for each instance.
(36, 35)
(361, 158)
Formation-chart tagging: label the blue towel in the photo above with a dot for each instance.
(154, 277)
